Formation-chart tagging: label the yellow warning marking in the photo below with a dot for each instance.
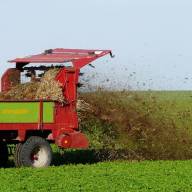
(14, 111)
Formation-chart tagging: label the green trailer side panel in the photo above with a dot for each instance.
(25, 112)
(48, 112)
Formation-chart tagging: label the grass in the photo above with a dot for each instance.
(108, 176)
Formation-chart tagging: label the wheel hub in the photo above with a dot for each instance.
(38, 157)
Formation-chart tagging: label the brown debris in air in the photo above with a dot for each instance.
(137, 122)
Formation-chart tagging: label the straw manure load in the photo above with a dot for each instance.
(25, 91)
(47, 88)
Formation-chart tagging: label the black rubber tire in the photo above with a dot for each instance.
(38, 147)
(17, 160)
(3, 154)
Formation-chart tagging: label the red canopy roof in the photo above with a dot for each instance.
(79, 57)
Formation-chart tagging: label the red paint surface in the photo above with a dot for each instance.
(64, 130)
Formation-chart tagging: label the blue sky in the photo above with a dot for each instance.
(152, 39)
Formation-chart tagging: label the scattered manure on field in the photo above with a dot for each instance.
(142, 125)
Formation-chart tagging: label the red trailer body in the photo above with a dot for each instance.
(64, 130)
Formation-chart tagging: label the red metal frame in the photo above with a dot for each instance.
(64, 130)
(78, 57)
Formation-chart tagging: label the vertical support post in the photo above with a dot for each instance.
(40, 124)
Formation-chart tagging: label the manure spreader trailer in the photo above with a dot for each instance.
(32, 125)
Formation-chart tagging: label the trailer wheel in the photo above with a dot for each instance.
(17, 155)
(36, 152)
(3, 154)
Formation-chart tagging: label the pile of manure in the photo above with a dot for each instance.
(47, 89)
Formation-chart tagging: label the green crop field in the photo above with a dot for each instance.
(155, 126)
(109, 176)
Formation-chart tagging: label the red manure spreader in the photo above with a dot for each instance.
(32, 125)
